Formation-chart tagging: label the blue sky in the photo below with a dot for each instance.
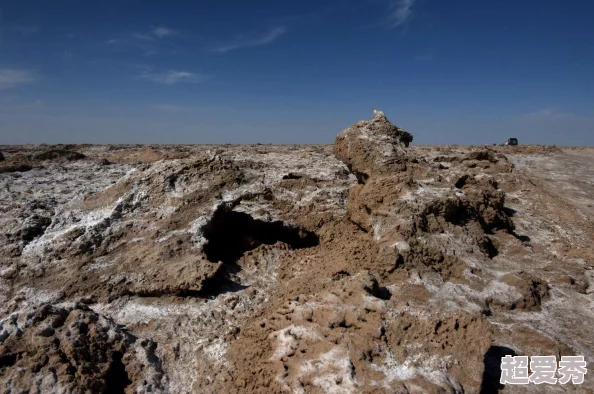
(450, 71)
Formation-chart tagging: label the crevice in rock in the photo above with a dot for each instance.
(292, 175)
(492, 372)
(384, 293)
(488, 247)
(361, 177)
(359, 226)
(461, 181)
(8, 360)
(230, 234)
(34, 227)
(117, 378)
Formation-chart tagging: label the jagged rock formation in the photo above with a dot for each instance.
(209, 269)
(373, 146)
(399, 212)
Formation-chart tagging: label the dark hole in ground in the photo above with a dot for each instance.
(117, 378)
(292, 175)
(492, 372)
(383, 293)
(230, 234)
(8, 360)
(462, 181)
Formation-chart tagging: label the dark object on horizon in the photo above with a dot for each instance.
(1, 157)
(511, 141)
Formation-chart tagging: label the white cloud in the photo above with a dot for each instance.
(401, 11)
(155, 34)
(163, 32)
(173, 76)
(10, 78)
(149, 42)
(270, 37)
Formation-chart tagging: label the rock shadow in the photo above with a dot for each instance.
(492, 371)
(117, 378)
(231, 234)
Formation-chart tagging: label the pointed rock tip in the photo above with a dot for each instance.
(378, 114)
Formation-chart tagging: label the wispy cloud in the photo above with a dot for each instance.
(149, 42)
(172, 77)
(155, 34)
(266, 39)
(163, 31)
(400, 12)
(10, 78)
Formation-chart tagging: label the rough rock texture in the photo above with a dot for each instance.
(73, 350)
(404, 218)
(260, 268)
(373, 146)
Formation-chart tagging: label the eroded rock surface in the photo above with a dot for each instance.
(364, 267)
(373, 146)
(74, 350)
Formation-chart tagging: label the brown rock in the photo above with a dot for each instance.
(74, 350)
(373, 147)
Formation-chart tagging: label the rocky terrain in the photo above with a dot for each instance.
(367, 266)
